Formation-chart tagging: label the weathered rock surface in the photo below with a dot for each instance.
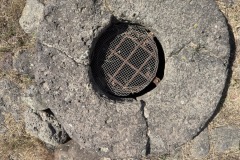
(23, 62)
(6, 61)
(32, 15)
(71, 151)
(2, 118)
(32, 98)
(195, 39)
(200, 145)
(45, 126)
(93, 122)
(10, 97)
(226, 138)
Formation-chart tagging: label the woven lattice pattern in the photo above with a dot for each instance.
(126, 60)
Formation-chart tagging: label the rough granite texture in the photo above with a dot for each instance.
(45, 126)
(6, 61)
(195, 39)
(71, 151)
(32, 98)
(23, 62)
(3, 129)
(10, 98)
(32, 15)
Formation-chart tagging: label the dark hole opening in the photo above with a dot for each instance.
(98, 77)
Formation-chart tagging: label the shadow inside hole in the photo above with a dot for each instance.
(97, 59)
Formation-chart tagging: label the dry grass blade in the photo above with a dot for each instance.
(17, 144)
(11, 34)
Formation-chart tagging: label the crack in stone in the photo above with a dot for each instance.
(148, 145)
(62, 52)
(198, 49)
(175, 53)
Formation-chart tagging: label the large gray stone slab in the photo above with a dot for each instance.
(195, 39)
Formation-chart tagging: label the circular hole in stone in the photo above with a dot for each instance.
(125, 61)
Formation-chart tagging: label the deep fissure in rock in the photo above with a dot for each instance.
(148, 145)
